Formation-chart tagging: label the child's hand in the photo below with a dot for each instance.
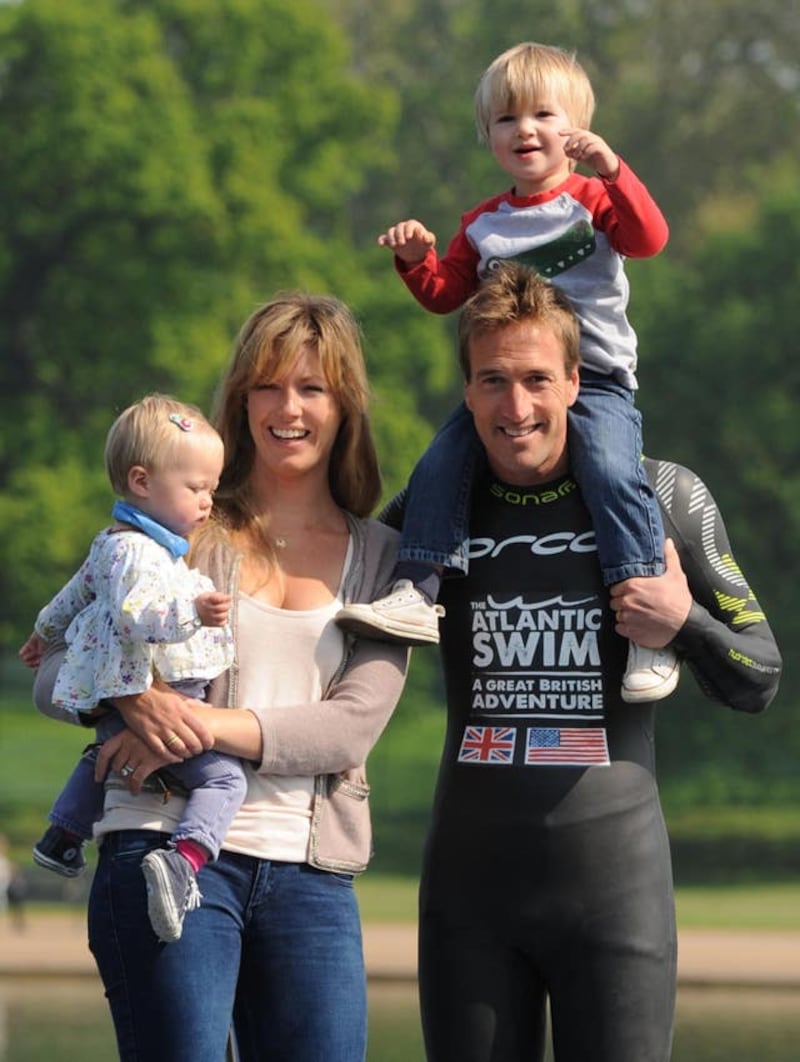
(32, 651)
(213, 608)
(590, 149)
(409, 240)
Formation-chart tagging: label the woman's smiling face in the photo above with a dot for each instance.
(294, 419)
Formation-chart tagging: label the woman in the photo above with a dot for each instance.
(275, 947)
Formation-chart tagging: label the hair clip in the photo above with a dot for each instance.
(182, 422)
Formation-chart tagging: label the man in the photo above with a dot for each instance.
(547, 873)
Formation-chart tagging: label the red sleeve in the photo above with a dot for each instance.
(626, 212)
(442, 285)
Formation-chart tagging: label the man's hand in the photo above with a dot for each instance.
(409, 240)
(213, 608)
(650, 611)
(166, 722)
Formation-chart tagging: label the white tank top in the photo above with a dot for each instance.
(285, 658)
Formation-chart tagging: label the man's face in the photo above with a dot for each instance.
(519, 393)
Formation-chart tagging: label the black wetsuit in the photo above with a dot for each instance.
(547, 870)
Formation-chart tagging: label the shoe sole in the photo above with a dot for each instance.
(394, 633)
(162, 920)
(657, 693)
(58, 868)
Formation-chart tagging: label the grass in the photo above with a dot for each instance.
(387, 898)
(737, 867)
(756, 906)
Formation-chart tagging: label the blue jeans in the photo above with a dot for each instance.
(436, 513)
(216, 785)
(605, 446)
(274, 948)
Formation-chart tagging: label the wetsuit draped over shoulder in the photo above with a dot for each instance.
(547, 868)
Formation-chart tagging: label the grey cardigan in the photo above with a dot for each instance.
(329, 739)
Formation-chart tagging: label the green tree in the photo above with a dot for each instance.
(719, 384)
(690, 92)
(165, 167)
(168, 165)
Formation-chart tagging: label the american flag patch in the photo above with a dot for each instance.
(487, 744)
(568, 746)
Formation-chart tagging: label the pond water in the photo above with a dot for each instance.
(67, 1018)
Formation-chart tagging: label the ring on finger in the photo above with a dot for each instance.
(127, 770)
(171, 740)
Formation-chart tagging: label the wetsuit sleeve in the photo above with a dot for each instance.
(726, 640)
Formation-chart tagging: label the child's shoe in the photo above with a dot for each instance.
(60, 851)
(651, 674)
(171, 892)
(403, 616)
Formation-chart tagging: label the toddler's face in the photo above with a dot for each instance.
(526, 140)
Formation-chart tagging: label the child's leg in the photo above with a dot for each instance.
(75, 810)
(80, 803)
(436, 515)
(605, 443)
(434, 533)
(217, 788)
(605, 446)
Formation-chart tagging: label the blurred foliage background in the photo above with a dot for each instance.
(166, 165)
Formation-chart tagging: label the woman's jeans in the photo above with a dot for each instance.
(605, 448)
(274, 948)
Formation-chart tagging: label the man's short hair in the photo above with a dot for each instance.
(512, 293)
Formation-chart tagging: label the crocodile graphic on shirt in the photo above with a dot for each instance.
(550, 259)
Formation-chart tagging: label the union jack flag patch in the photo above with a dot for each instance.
(487, 744)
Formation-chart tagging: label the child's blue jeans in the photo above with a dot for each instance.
(605, 446)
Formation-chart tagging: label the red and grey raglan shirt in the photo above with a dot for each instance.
(577, 235)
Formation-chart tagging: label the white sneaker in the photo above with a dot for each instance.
(651, 674)
(402, 616)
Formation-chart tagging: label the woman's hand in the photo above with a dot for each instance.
(130, 757)
(166, 722)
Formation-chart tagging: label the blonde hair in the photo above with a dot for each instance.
(150, 433)
(269, 343)
(513, 293)
(532, 73)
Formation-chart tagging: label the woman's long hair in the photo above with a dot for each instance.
(269, 343)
